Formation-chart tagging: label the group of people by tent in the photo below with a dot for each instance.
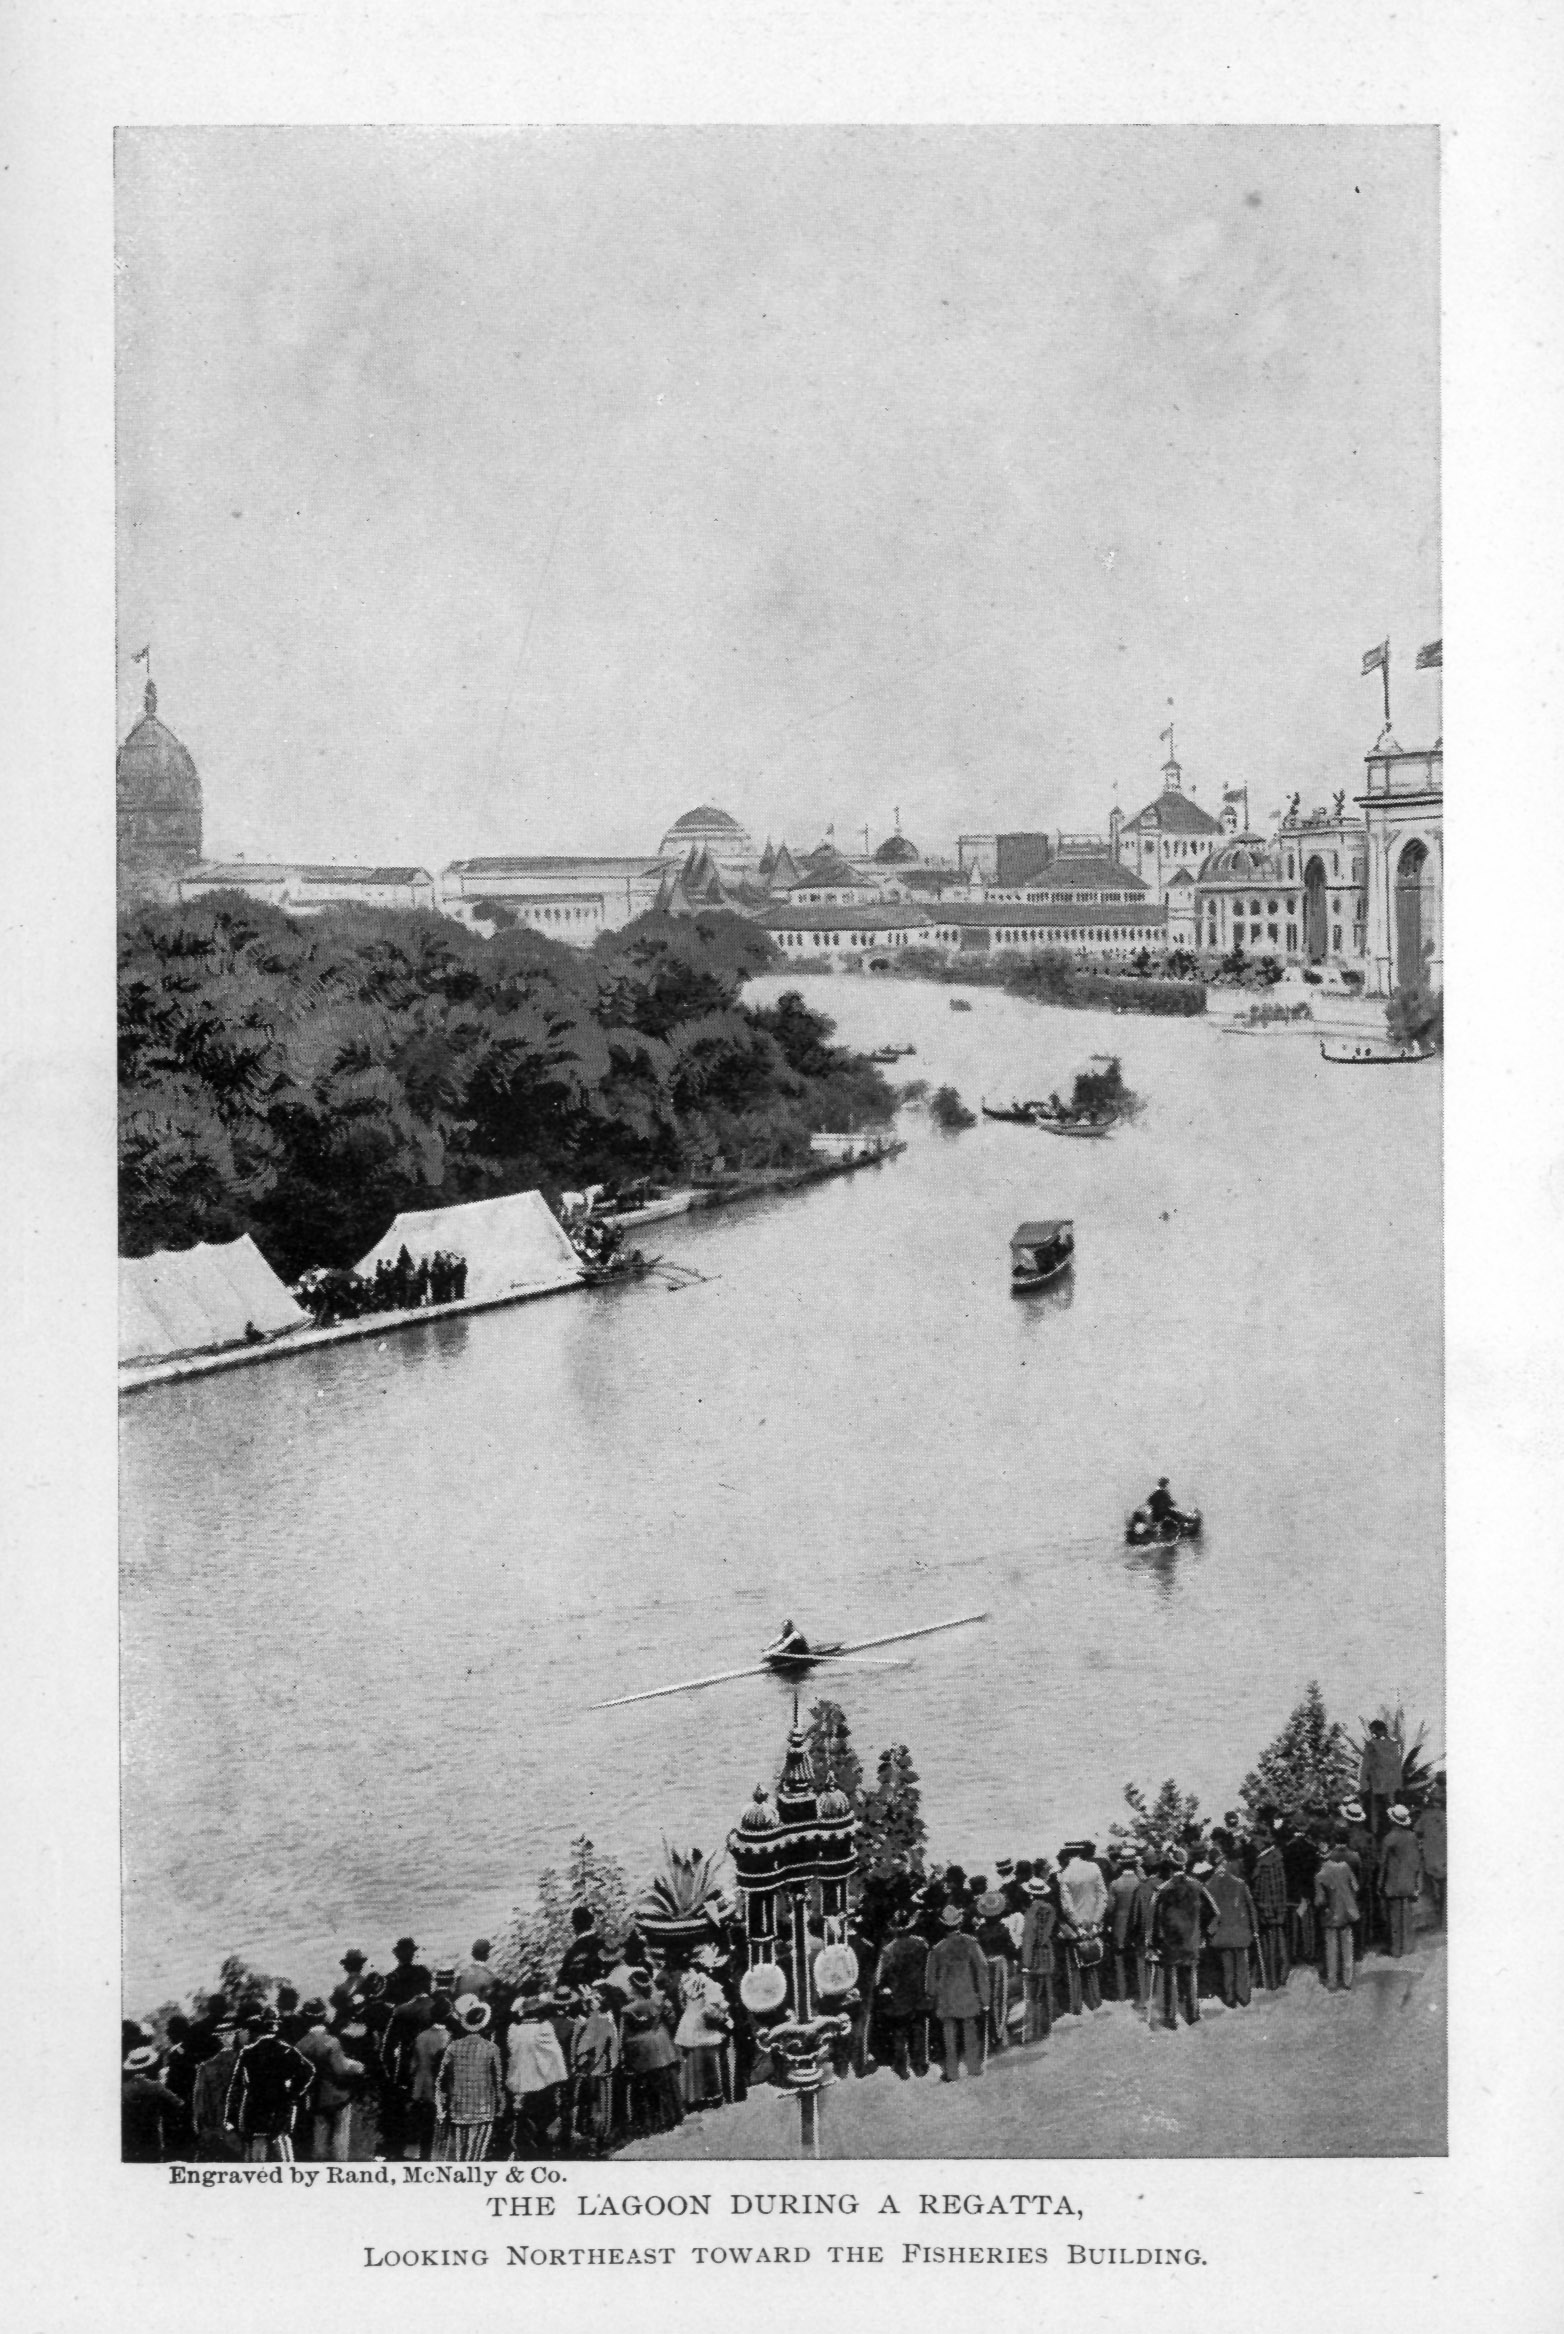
(396, 1285)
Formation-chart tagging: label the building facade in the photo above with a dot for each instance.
(1096, 932)
(157, 809)
(610, 892)
(308, 890)
(1170, 833)
(1403, 810)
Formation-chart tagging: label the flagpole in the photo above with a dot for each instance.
(1385, 676)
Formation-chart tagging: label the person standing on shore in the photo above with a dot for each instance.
(1234, 1931)
(209, 2100)
(1432, 1840)
(150, 2114)
(1123, 1898)
(1038, 1933)
(335, 2079)
(474, 1976)
(998, 1948)
(468, 2093)
(1269, 1891)
(1400, 1876)
(956, 1986)
(1362, 1847)
(901, 2018)
(1379, 1776)
(1083, 1904)
(269, 2085)
(1336, 1899)
(537, 2074)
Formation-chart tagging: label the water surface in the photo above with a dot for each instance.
(370, 1595)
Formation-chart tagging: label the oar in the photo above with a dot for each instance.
(900, 1636)
(686, 1686)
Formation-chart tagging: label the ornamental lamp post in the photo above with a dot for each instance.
(782, 1851)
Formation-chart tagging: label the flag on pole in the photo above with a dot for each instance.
(142, 654)
(1373, 658)
(1431, 657)
(1167, 735)
(1233, 793)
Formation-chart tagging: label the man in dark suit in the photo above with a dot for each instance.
(901, 2018)
(956, 1987)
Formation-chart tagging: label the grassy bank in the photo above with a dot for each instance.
(1052, 978)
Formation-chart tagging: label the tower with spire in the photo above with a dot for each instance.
(158, 808)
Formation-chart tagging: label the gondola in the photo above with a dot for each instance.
(1019, 1113)
(1364, 1059)
(1141, 1532)
(1054, 1123)
(1040, 1253)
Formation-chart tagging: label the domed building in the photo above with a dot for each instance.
(158, 802)
(715, 831)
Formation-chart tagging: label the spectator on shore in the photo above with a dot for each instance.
(291, 2022)
(1038, 1934)
(1361, 1842)
(474, 1976)
(1400, 1877)
(180, 2067)
(469, 2096)
(702, 2031)
(428, 2051)
(1083, 1904)
(269, 2085)
(650, 2060)
(335, 2078)
(1268, 1886)
(998, 1948)
(1431, 1839)
(1300, 1862)
(594, 2057)
(536, 2074)
(1123, 1899)
(901, 2019)
(584, 1962)
(1379, 1776)
(957, 1990)
(409, 1978)
(1180, 1914)
(1235, 1930)
(1336, 1898)
(350, 1987)
(214, 2141)
(151, 2116)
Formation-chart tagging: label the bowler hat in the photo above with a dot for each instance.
(404, 1948)
(1004, 1864)
(951, 1916)
(353, 1959)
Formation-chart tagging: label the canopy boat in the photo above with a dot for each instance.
(1365, 1057)
(1055, 1120)
(1141, 1532)
(1019, 1113)
(1040, 1253)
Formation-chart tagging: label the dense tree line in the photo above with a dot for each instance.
(303, 1080)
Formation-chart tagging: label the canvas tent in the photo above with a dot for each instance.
(192, 1299)
(514, 1247)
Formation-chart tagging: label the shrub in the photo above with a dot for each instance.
(949, 1111)
(1169, 1820)
(1416, 1017)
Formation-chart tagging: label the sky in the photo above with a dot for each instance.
(487, 491)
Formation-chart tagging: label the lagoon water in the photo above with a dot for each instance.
(370, 1596)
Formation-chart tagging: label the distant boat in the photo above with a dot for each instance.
(1019, 1113)
(1365, 1057)
(1058, 1122)
(891, 1053)
(1040, 1253)
(959, 1005)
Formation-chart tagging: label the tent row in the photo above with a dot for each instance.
(197, 1300)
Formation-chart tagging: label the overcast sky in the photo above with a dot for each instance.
(487, 491)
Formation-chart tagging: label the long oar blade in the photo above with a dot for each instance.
(900, 1636)
(686, 1686)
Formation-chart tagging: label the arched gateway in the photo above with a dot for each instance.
(1411, 879)
(1315, 931)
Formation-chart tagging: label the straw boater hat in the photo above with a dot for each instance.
(142, 2061)
(1037, 1887)
(951, 1916)
(1352, 1809)
(990, 1902)
(473, 2012)
(1202, 1870)
(1401, 1815)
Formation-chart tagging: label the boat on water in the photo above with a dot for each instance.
(1142, 1532)
(1368, 1057)
(959, 1005)
(886, 1054)
(1019, 1113)
(1062, 1122)
(1040, 1252)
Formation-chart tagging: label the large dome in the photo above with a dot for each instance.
(897, 851)
(705, 815)
(158, 802)
(706, 828)
(1239, 863)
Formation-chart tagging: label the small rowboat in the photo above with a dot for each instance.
(1040, 1253)
(1019, 1113)
(1052, 1123)
(1141, 1532)
(1364, 1057)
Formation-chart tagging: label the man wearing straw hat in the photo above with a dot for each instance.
(148, 2110)
(468, 2092)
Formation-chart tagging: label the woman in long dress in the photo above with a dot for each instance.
(701, 2032)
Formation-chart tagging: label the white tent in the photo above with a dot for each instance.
(514, 1247)
(191, 1299)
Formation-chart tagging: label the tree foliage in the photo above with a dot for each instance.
(1170, 1820)
(532, 1943)
(1311, 1763)
(304, 1080)
(1416, 1017)
(893, 1835)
